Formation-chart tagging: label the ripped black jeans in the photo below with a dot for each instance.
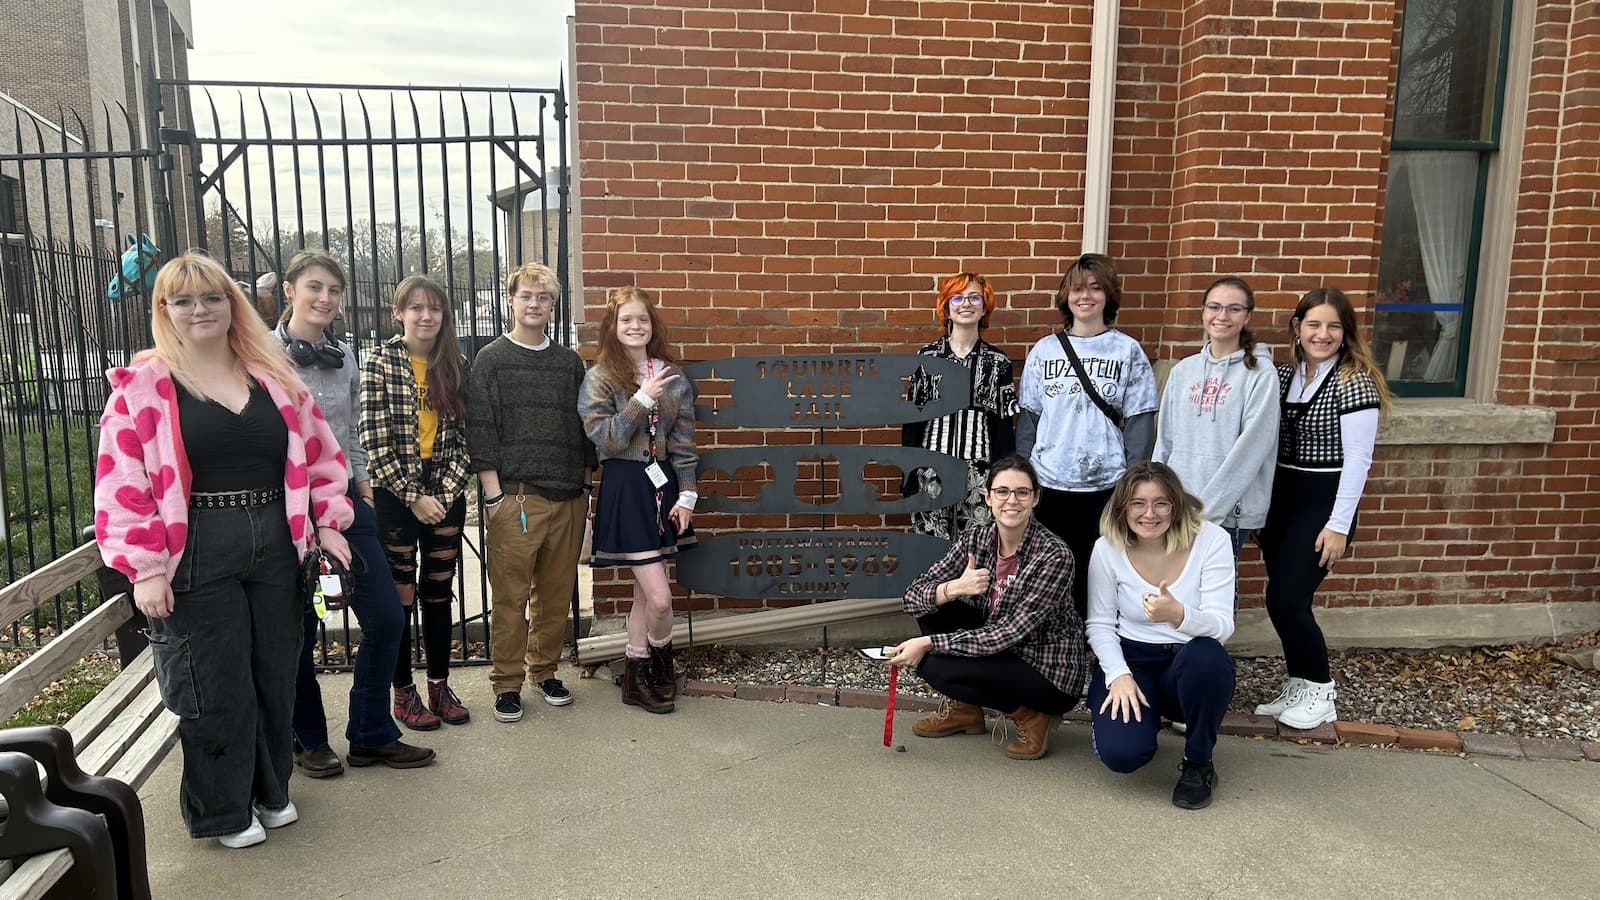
(401, 535)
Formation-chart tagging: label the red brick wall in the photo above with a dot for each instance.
(794, 174)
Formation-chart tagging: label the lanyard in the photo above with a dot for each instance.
(653, 420)
(655, 411)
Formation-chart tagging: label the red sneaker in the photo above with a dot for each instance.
(409, 711)
(445, 704)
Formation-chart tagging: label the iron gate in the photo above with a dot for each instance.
(459, 183)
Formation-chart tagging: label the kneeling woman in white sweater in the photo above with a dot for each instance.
(1161, 586)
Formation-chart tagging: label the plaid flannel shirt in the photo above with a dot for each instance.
(1033, 616)
(388, 429)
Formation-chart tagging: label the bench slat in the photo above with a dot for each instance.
(111, 701)
(106, 750)
(22, 596)
(34, 878)
(146, 754)
(23, 683)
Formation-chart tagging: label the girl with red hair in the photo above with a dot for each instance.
(979, 434)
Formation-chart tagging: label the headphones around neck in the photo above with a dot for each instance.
(304, 353)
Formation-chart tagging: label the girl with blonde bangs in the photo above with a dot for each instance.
(1187, 514)
(211, 439)
(638, 408)
(1161, 583)
(981, 433)
(248, 338)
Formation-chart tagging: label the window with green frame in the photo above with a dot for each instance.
(1446, 127)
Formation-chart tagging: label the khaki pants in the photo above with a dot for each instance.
(531, 579)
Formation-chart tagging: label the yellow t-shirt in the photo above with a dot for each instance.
(427, 419)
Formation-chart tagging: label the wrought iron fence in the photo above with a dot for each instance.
(455, 182)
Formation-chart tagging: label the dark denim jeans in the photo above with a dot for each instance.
(378, 611)
(225, 662)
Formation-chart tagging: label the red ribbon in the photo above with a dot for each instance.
(888, 708)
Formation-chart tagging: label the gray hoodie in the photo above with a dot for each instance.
(1218, 430)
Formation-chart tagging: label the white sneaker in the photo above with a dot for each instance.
(1285, 699)
(1313, 707)
(249, 837)
(276, 818)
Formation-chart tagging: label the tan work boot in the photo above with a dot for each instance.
(953, 717)
(1033, 733)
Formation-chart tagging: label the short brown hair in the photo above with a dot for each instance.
(1102, 269)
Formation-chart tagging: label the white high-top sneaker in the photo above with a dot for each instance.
(1285, 699)
(1313, 707)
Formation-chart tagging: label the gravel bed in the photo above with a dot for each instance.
(1518, 690)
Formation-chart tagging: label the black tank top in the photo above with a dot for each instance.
(229, 452)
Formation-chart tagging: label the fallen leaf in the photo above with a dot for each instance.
(1467, 723)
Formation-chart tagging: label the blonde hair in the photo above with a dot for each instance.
(253, 346)
(538, 275)
(1186, 520)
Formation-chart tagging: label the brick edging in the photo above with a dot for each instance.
(1366, 734)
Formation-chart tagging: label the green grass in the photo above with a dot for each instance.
(62, 698)
(42, 472)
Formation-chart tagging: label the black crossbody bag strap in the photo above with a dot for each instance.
(1088, 386)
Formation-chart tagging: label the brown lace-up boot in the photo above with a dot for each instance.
(638, 688)
(953, 717)
(664, 672)
(1033, 733)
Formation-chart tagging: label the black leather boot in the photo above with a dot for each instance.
(664, 672)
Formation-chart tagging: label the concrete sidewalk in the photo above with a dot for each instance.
(744, 799)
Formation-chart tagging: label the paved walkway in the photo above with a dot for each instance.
(744, 799)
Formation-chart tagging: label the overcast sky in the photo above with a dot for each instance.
(500, 43)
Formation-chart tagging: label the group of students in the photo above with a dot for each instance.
(1111, 530)
(231, 455)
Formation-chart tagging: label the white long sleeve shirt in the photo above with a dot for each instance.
(1205, 587)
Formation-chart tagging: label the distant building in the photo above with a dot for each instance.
(70, 69)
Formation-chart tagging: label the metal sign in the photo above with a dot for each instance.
(856, 494)
(809, 564)
(833, 389)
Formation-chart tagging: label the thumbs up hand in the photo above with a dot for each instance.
(1163, 607)
(973, 582)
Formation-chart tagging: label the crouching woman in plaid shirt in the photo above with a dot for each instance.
(413, 424)
(998, 626)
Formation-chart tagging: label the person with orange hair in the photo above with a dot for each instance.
(979, 434)
(637, 406)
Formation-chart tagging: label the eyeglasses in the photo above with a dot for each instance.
(541, 298)
(1004, 493)
(1160, 507)
(185, 305)
(1232, 309)
(967, 300)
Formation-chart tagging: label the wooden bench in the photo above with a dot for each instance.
(123, 733)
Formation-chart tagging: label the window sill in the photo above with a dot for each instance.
(1431, 421)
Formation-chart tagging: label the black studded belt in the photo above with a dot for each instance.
(234, 499)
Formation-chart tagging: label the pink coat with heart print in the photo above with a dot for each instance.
(141, 491)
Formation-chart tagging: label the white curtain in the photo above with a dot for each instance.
(1443, 187)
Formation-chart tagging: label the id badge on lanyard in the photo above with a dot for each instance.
(653, 471)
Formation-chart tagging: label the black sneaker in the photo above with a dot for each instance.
(1194, 785)
(508, 706)
(555, 693)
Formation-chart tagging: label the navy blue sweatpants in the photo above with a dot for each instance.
(1190, 683)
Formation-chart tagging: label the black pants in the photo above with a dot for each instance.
(1191, 683)
(1074, 516)
(1003, 681)
(1301, 504)
(402, 534)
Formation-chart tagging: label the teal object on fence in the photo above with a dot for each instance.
(138, 274)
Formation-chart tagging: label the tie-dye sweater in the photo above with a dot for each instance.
(141, 491)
